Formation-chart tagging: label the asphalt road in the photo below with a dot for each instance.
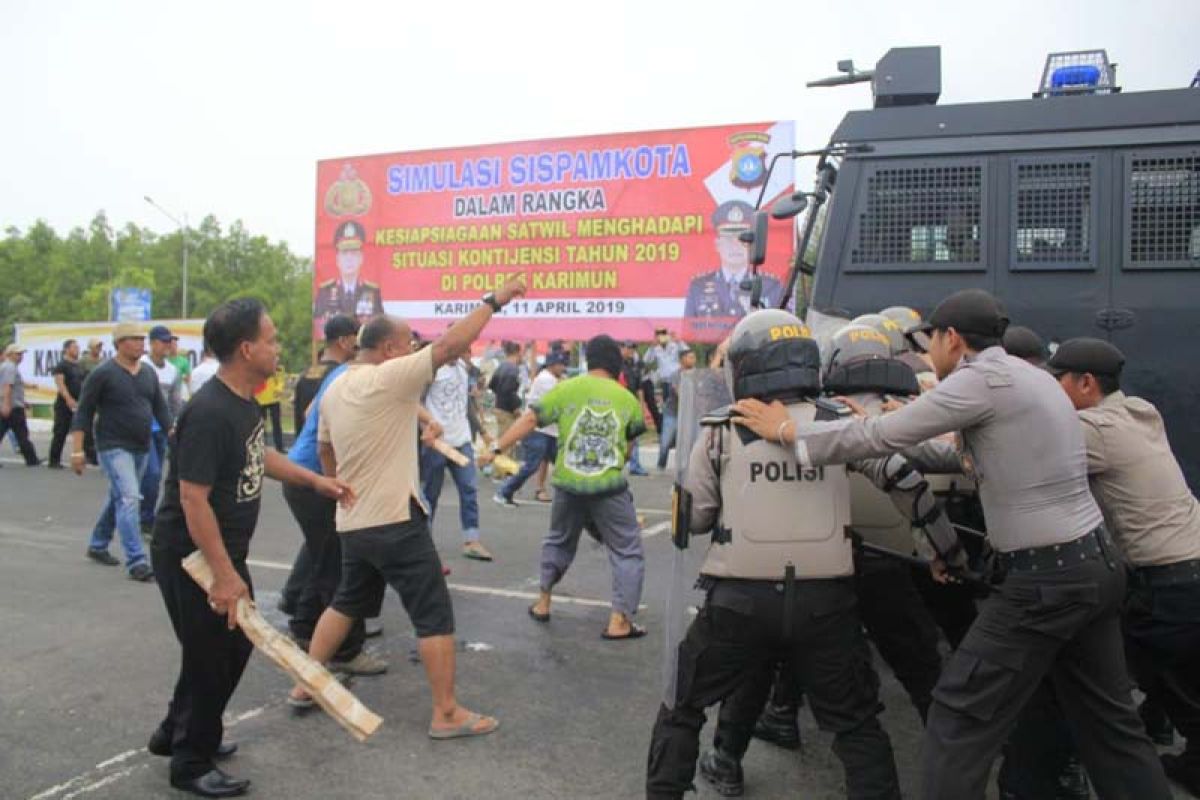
(90, 661)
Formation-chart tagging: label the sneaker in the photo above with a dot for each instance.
(507, 502)
(365, 663)
(54, 466)
(1073, 781)
(103, 557)
(142, 573)
(638, 471)
(374, 627)
(723, 773)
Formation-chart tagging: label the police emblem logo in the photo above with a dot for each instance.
(349, 196)
(748, 163)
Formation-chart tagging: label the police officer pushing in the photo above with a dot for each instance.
(888, 497)
(1056, 612)
(778, 572)
(1155, 520)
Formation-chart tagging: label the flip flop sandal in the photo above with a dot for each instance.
(476, 554)
(542, 497)
(465, 730)
(635, 632)
(537, 617)
(300, 703)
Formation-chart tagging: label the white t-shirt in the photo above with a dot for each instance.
(544, 382)
(205, 370)
(446, 400)
(168, 378)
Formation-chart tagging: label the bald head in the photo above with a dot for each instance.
(384, 337)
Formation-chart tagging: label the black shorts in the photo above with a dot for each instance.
(402, 555)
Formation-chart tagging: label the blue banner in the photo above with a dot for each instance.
(131, 305)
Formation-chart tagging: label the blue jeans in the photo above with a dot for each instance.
(124, 470)
(433, 472)
(666, 439)
(536, 448)
(152, 478)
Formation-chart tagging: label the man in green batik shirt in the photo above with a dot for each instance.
(597, 418)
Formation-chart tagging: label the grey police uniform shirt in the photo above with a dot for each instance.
(1135, 478)
(1019, 432)
(11, 376)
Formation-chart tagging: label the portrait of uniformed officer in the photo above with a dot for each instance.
(348, 293)
(719, 293)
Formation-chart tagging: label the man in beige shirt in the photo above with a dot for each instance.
(368, 434)
(1155, 520)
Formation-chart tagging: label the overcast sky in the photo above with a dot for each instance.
(225, 107)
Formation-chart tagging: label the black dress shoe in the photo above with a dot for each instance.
(160, 745)
(213, 783)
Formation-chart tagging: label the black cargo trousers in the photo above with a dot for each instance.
(743, 627)
(1060, 625)
(896, 621)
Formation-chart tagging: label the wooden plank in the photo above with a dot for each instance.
(325, 689)
(450, 453)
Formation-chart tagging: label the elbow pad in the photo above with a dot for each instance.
(910, 491)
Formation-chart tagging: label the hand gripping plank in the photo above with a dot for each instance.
(450, 453)
(331, 695)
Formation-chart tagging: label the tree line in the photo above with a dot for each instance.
(46, 276)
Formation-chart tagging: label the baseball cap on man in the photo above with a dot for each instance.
(13, 349)
(340, 325)
(128, 330)
(967, 311)
(161, 333)
(1084, 355)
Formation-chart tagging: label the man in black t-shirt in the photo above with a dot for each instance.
(218, 458)
(68, 380)
(341, 343)
(506, 386)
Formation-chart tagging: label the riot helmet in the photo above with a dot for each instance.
(893, 332)
(907, 318)
(772, 357)
(861, 359)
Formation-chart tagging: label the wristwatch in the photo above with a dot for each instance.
(490, 299)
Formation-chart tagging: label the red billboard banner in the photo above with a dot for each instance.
(617, 234)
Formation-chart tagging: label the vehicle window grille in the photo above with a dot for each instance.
(918, 215)
(1054, 212)
(1164, 209)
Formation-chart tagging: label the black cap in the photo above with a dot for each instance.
(1024, 343)
(969, 311)
(161, 333)
(1087, 355)
(340, 325)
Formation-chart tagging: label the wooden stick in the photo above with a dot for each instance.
(450, 453)
(331, 695)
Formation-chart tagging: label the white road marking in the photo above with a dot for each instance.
(656, 529)
(92, 780)
(469, 589)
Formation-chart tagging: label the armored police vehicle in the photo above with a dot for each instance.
(1079, 208)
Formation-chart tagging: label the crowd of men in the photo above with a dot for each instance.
(916, 484)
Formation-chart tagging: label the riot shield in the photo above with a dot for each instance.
(700, 392)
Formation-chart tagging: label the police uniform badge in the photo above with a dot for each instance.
(349, 196)
(748, 163)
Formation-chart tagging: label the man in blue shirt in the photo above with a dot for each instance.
(317, 520)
